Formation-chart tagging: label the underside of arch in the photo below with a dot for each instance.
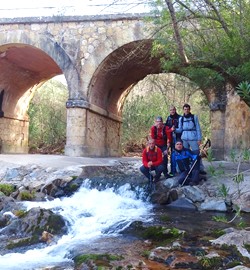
(122, 68)
(22, 68)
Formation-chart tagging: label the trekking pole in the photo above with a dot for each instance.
(151, 184)
(189, 172)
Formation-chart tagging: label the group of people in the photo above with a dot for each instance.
(180, 135)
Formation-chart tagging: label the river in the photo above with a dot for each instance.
(93, 216)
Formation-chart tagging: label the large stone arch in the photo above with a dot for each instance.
(25, 64)
(121, 69)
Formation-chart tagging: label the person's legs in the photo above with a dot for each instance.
(145, 171)
(186, 144)
(196, 150)
(158, 171)
(165, 160)
(171, 160)
(195, 177)
(181, 178)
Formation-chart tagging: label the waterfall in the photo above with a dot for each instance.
(90, 214)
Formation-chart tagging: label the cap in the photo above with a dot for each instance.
(159, 118)
(179, 141)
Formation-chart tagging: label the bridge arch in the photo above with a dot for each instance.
(25, 64)
(86, 50)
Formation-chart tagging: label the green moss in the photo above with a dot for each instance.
(23, 242)
(158, 233)
(217, 233)
(20, 213)
(210, 263)
(7, 189)
(165, 218)
(26, 196)
(73, 187)
(101, 260)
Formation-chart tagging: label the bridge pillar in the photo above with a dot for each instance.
(14, 136)
(91, 131)
(218, 133)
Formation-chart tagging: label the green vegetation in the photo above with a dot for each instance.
(25, 195)
(47, 113)
(7, 189)
(100, 260)
(206, 42)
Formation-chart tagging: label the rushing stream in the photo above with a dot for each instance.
(90, 215)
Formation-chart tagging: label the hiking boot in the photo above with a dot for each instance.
(166, 176)
(203, 172)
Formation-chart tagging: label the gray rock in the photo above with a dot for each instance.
(213, 205)
(194, 193)
(182, 203)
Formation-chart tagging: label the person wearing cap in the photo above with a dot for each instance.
(152, 161)
(162, 136)
(183, 159)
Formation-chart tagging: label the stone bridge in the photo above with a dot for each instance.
(101, 57)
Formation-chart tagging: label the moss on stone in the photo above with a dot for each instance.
(99, 259)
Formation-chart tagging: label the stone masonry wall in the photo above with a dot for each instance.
(14, 134)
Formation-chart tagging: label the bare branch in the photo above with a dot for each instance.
(177, 32)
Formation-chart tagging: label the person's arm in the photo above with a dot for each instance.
(159, 158)
(168, 131)
(180, 127)
(145, 158)
(198, 129)
(152, 132)
(173, 160)
(191, 155)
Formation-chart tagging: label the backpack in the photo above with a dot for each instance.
(173, 121)
(192, 118)
(164, 135)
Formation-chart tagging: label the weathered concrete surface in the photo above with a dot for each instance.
(57, 161)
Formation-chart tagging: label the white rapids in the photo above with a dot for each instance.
(89, 214)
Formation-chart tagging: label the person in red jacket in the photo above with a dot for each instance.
(152, 160)
(163, 139)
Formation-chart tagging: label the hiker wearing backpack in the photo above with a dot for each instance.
(172, 122)
(152, 160)
(183, 159)
(191, 132)
(162, 136)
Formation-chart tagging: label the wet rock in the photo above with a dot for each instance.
(183, 203)
(33, 223)
(193, 193)
(236, 238)
(213, 205)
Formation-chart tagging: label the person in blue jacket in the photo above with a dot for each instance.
(183, 159)
(191, 135)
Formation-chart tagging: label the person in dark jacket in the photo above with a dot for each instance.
(183, 159)
(152, 161)
(172, 122)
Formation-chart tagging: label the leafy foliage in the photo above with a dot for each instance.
(212, 35)
(243, 90)
(47, 114)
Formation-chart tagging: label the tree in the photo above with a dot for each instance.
(206, 39)
(47, 113)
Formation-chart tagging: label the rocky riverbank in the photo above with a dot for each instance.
(227, 190)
